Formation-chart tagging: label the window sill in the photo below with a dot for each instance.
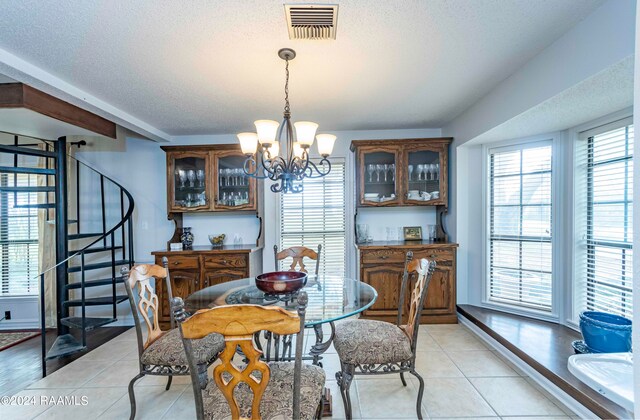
(545, 347)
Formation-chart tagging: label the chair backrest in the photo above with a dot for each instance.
(424, 270)
(238, 324)
(298, 253)
(146, 305)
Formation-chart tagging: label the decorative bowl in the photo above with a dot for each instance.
(217, 240)
(281, 282)
(605, 333)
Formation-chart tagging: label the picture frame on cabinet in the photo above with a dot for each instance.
(412, 233)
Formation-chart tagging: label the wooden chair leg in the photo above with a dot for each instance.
(132, 396)
(420, 392)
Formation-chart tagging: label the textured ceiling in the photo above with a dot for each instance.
(211, 66)
(606, 92)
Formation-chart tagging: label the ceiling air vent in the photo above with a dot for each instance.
(311, 21)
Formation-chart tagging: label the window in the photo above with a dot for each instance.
(317, 216)
(603, 214)
(18, 238)
(520, 227)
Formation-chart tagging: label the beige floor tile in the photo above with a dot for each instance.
(156, 380)
(387, 399)
(119, 374)
(454, 397)
(480, 363)
(330, 364)
(98, 400)
(457, 341)
(436, 364)
(426, 342)
(152, 402)
(110, 351)
(443, 328)
(509, 363)
(537, 418)
(338, 405)
(553, 399)
(515, 397)
(184, 408)
(35, 404)
(73, 375)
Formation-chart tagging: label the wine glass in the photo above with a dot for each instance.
(410, 172)
(392, 168)
(385, 170)
(191, 176)
(432, 171)
(437, 171)
(379, 168)
(420, 170)
(371, 168)
(200, 177)
(182, 176)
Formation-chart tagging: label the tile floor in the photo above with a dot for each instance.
(463, 378)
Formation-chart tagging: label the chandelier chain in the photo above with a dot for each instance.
(287, 108)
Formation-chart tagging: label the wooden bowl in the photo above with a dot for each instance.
(281, 282)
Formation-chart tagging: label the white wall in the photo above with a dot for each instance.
(601, 40)
(636, 223)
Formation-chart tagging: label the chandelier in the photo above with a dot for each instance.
(288, 165)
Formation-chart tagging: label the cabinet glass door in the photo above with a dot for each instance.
(378, 174)
(190, 182)
(423, 177)
(234, 190)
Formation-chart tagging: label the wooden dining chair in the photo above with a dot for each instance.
(161, 354)
(298, 253)
(254, 389)
(369, 347)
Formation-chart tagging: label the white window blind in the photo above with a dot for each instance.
(603, 214)
(18, 238)
(317, 216)
(520, 227)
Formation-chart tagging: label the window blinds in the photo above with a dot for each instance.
(317, 216)
(18, 238)
(603, 213)
(520, 227)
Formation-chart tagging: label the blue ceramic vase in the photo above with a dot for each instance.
(605, 333)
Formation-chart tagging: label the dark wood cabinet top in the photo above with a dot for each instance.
(406, 244)
(207, 249)
(395, 142)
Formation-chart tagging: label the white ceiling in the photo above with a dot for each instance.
(211, 66)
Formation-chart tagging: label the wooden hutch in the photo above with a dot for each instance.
(207, 178)
(401, 173)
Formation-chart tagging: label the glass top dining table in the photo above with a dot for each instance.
(330, 298)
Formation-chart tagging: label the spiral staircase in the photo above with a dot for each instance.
(92, 215)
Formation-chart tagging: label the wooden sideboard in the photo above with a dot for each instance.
(382, 266)
(204, 266)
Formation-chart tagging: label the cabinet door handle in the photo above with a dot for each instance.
(433, 255)
(176, 262)
(224, 261)
(384, 257)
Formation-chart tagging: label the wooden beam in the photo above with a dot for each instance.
(19, 95)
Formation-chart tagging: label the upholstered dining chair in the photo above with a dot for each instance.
(256, 389)
(369, 347)
(298, 253)
(161, 354)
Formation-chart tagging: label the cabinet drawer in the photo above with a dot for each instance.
(225, 261)
(439, 255)
(383, 256)
(183, 262)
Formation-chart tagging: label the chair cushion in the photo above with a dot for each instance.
(364, 341)
(277, 399)
(169, 351)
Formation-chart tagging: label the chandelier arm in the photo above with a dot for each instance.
(248, 163)
(320, 173)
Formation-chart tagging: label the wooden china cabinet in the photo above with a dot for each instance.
(406, 173)
(207, 178)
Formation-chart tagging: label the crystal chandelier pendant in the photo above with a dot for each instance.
(286, 162)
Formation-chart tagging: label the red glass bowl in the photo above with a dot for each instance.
(281, 282)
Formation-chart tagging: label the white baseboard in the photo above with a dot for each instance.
(20, 324)
(549, 386)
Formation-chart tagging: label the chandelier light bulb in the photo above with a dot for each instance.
(248, 143)
(267, 130)
(325, 144)
(298, 151)
(305, 132)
